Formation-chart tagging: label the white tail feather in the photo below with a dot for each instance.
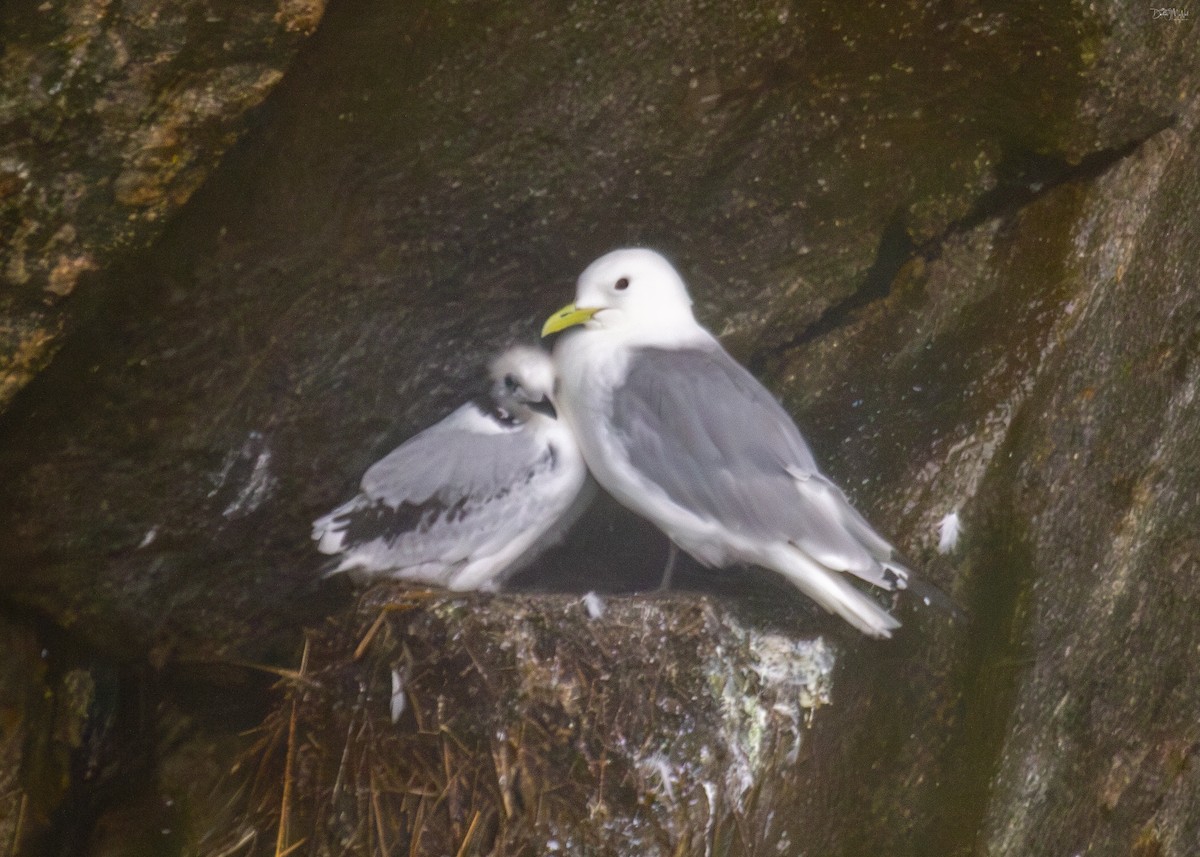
(831, 591)
(329, 531)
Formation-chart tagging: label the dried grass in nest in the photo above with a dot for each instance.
(528, 728)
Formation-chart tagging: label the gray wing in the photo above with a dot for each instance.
(700, 426)
(455, 486)
(472, 451)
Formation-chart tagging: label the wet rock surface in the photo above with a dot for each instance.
(21, 689)
(957, 243)
(1099, 756)
(111, 115)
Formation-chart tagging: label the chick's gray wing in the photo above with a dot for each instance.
(473, 452)
(472, 478)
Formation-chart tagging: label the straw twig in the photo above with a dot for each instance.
(281, 848)
(470, 834)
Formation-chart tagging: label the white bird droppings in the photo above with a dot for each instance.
(398, 700)
(594, 605)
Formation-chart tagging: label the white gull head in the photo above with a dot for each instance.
(632, 292)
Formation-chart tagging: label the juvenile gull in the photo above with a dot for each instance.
(472, 498)
(680, 433)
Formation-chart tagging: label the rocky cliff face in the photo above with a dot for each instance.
(957, 243)
(111, 115)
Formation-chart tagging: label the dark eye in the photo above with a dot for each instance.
(510, 382)
(622, 284)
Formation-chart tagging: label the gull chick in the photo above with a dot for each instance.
(471, 499)
(679, 432)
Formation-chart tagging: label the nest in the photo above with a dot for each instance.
(528, 725)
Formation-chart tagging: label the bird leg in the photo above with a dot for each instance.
(672, 555)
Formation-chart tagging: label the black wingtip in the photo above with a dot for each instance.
(932, 596)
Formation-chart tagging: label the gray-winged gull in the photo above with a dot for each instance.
(682, 434)
(472, 498)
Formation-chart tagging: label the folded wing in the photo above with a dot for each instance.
(697, 424)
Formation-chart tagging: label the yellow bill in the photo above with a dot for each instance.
(568, 316)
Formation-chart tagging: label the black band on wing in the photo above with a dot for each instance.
(389, 523)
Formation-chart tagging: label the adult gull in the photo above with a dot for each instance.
(471, 499)
(679, 432)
